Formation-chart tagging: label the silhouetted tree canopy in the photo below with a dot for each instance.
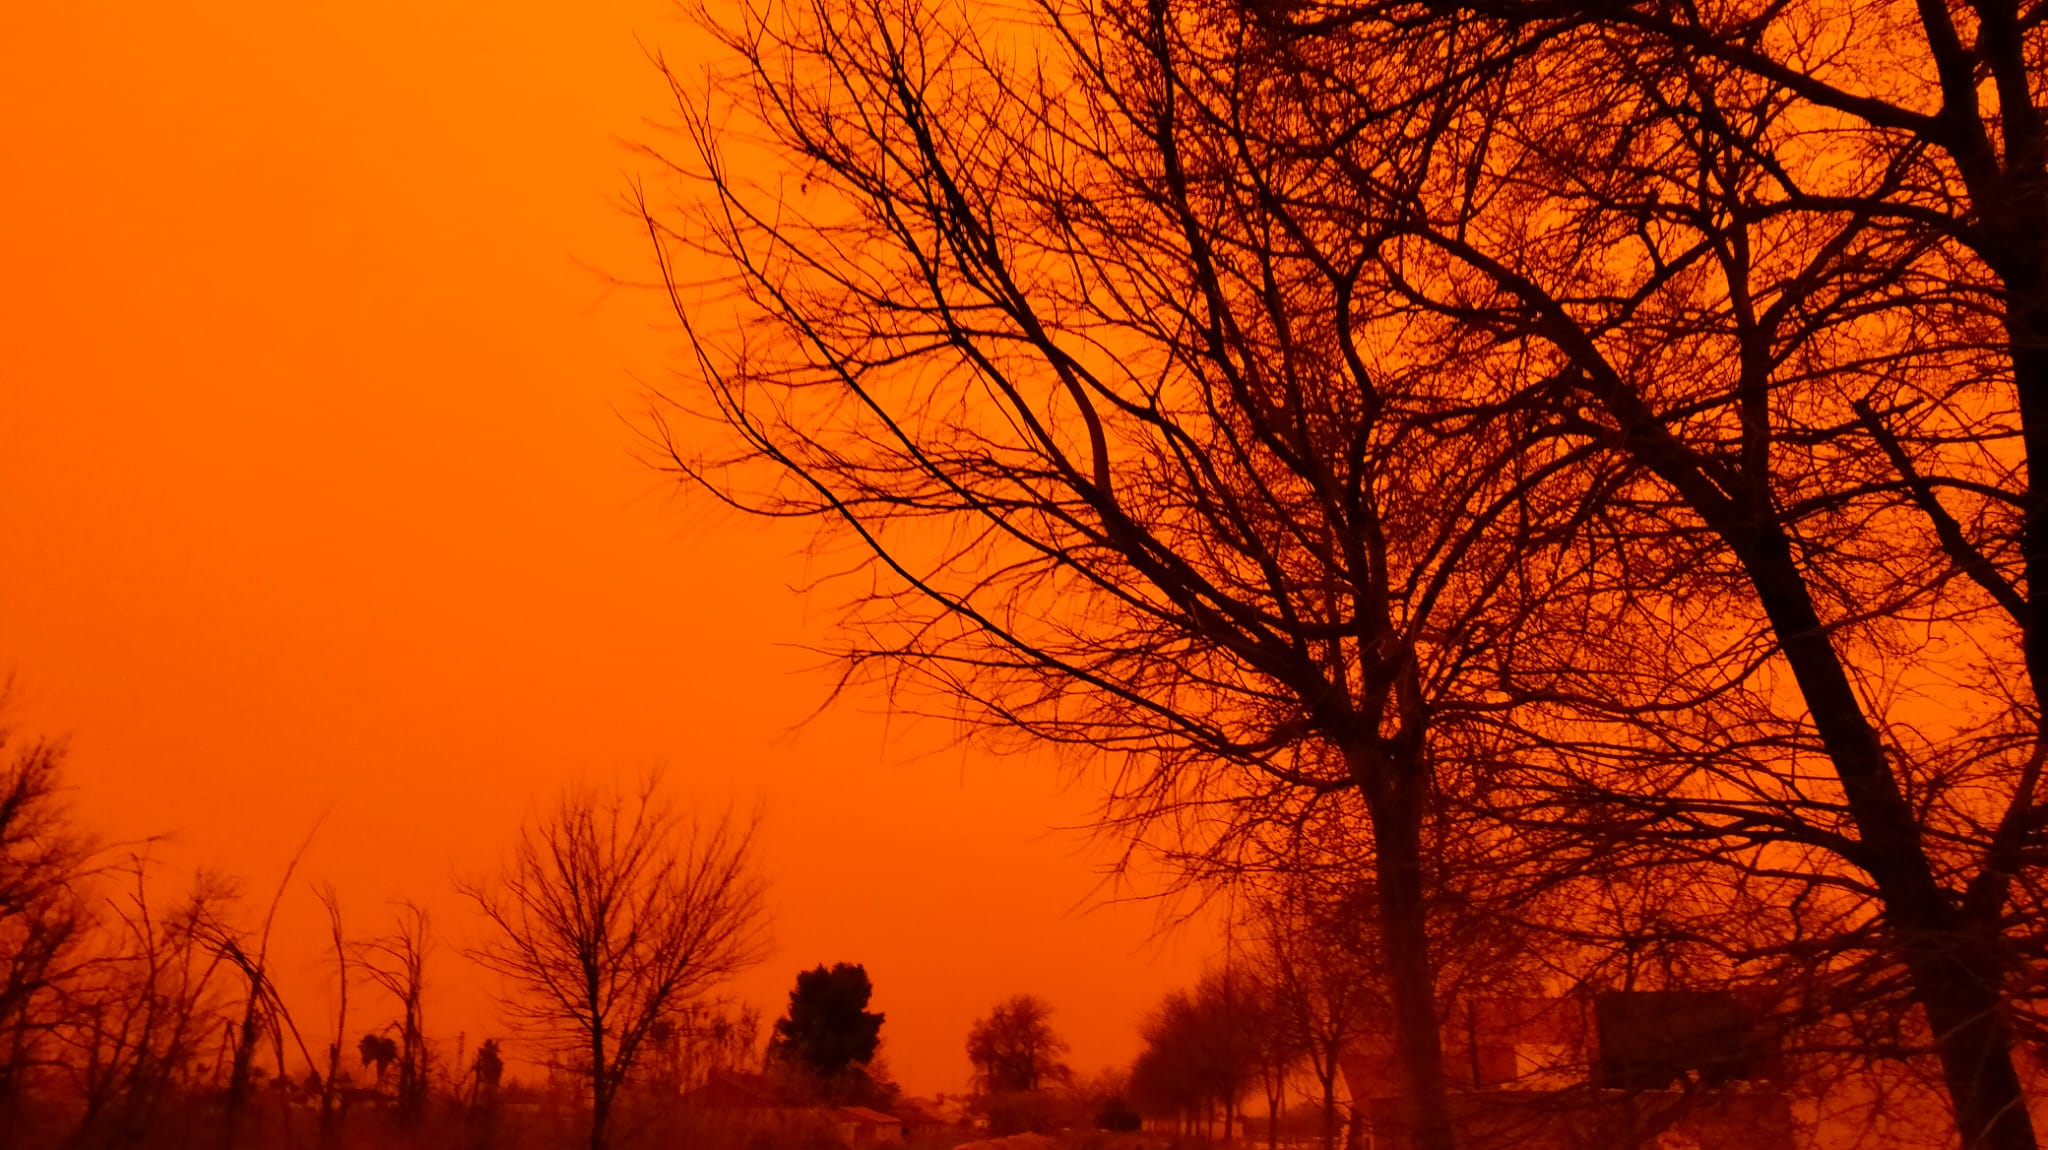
(379, 1050)
(828, 1028)
(1015, 1048)
(1609, 422)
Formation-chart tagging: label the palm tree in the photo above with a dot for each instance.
(378, 1049)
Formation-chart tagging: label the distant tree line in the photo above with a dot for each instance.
(134, 1018)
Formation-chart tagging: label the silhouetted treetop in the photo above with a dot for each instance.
(828, 1028)
(1015, 1048)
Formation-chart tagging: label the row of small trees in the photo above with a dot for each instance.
(613, 921)
(123, 1005)
(129, 1018)
(1300, 990)
(1247, 1029)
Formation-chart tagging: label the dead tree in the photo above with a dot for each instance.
(397, 963)
(263, 1009)
(148, 1004)
(331, 1110)
(612, 913)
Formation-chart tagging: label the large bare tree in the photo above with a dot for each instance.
(612, 916)
(1771, 256)
(1125, 466)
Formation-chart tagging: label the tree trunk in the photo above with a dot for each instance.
(1953, 970)
(600, 1115)
(1329, 1081)
(600, 1089)
(2027, 328)
(330, 1088)
(2010, 208)
(1392, 788)
(1991, 1107)
(237, 1098)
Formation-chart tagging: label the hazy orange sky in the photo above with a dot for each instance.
(316, 495)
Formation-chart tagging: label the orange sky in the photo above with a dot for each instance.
(315, 495)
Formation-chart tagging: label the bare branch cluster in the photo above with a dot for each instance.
(1581, 446)
(611, 918)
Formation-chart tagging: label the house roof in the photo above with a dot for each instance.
(728, 1090)
(863, 1114)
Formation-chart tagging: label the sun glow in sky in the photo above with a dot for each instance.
(318, 494)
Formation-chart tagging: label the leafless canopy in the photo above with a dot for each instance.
(1118, 437)
(1610, 419)
(397, 963)
(614, 914)
(1015, 1049)
(44, 914)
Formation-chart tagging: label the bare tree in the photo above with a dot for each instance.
(331, 1114)
(1767, 256)
(1015, 1049)
(1772, 318)
(1132, 470)
(1233, 1007)
(1204, 1048)
(263, 1008)
(614, 914)
(150, 1002)
(1314, 949)
(397, 963)
(44, 918)
(1278, 1046)
(1167, 1077)
(1016, 1054)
